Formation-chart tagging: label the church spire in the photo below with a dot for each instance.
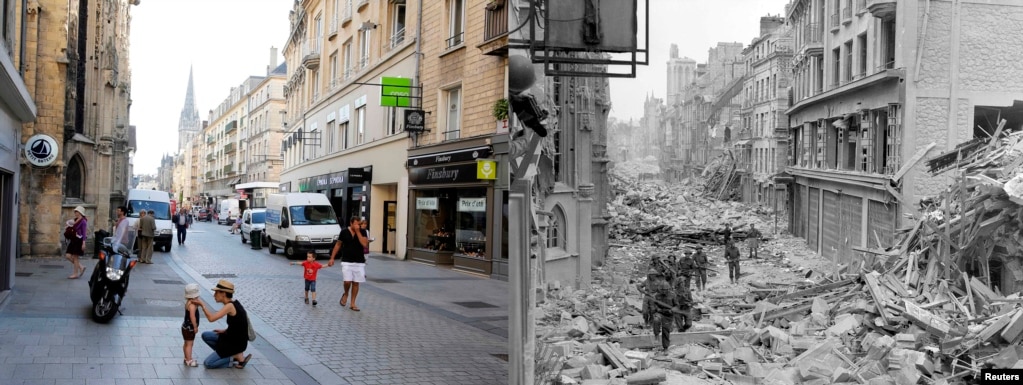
(188, 125)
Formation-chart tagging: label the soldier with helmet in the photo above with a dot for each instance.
(686, 269)
(659, 306)
(702, 264)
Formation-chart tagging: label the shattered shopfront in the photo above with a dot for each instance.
(451, 207)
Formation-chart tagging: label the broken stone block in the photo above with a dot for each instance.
(579, 327)
(728, 344)
(841, 375)
(566, 380)
(745, 354)
(880, 347)
(711, 366)
(643, 358)
(647, 377)
(760, 370)
(787, 375)
(596, 382)
(577, 362)
(594, 372)
(697, 352)
(882, 380)
(632, 320)
(563, 348)
(682, 366)
(844, 323)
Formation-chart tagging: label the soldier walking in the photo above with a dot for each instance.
(659, 306)
(686, 269)
(702, 264)
(753, 240)
(732, 256)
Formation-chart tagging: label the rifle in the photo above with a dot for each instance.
(673, 309)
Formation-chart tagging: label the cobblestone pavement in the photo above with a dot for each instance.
(418, 325)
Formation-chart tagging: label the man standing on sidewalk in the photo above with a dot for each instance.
(351, 243)
(147, 230)
(182, 220)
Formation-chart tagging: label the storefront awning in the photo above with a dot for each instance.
(235, 181)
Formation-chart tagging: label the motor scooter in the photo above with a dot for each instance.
(109, 282)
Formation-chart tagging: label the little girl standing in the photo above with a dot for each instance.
(191, 323)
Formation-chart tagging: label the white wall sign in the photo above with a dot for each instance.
(426, 203)
(343, 114)
(472, 204)
(41, 150)
(361, 101)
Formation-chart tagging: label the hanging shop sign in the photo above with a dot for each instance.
(41, 150)
(486, 169)
(415, 121)
(395, 92)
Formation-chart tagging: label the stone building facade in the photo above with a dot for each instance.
(77, 69)
(222, 157)
(762, 137)
(463, 73)
(17, 108)
(875, 83)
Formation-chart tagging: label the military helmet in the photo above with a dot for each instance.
(653, 272)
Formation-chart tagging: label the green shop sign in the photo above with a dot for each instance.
(395, 92)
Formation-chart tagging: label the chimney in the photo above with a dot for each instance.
(273, 60)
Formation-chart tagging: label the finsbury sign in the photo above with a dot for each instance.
(41, 150)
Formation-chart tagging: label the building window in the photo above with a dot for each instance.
(397, 25)
(861, 41)
(453, 99)
(331, 132)
(556, 156)
(836, 58)
(887, 45)
(346, 55)
(456, 22)
(74, 178)
(364, 41)
(556, 229)
(333, 70)
(848, 60)
(344, 135)
(360, 116)
(394, 123)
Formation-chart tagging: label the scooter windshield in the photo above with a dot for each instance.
(119, 261)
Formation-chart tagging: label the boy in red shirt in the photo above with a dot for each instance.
(311, 267)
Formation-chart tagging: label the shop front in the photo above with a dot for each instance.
(451, 206)
(348, 191)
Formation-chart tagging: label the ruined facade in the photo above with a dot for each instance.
(875, 84)
(762, 137)
(81, 50)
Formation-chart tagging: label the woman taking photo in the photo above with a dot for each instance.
(75, 234)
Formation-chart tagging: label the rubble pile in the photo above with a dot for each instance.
(934, 308)
(721, 179)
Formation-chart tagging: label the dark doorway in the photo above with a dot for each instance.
(391, 222)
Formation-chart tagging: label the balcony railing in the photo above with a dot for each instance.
(455, 40)
(396, 39)
(346, 15)
(229, 148)
(363, 62)
(210, 158)
(311, 54)
(332, 30)
(847, 14)
(209, 175)
(229, 169)
(834, 21)
(496, 21)
(861, 6)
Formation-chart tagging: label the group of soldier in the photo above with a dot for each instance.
(668, 299)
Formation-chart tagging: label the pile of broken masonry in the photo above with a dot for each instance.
(921, 311)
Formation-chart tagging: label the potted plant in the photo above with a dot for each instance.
(500, 110)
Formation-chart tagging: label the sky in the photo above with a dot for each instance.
(695, 26)
(225, 41)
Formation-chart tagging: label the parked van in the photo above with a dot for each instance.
(252, 220)
(228, 212)
(299, 222)
(160, 203)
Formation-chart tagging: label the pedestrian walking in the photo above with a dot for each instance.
(75, 234)
(311, 267)
(351, 243)
(228, 344)
(122, 241)
(147, 231)
(702, 264)
(732, 256)
(753, 240)
(182, 220)
(191, 323)
(364, 227)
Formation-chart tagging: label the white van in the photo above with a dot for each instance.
(228, 212)
(159, 202)
(252, 220)
(299, 222)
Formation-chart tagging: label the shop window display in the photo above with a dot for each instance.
(471, 228)
(434, 220)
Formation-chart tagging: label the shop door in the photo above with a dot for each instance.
(391, 221)
(832, 225)
(337, 204)
(355, 204)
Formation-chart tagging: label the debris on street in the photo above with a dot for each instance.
(936, 307)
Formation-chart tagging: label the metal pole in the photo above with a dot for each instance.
(521, 347)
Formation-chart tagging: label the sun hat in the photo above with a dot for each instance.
(224, 286)
(192, 290)
(80, 210)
